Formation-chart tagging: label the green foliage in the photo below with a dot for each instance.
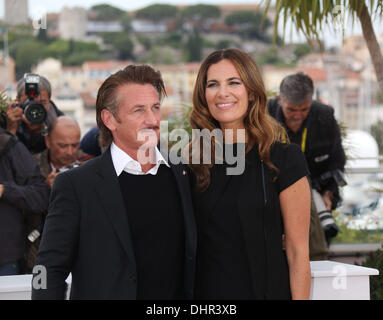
(201, 11)
(159, 55)
(43, 36)
(57, 49)
(106, 12)
(126, 22)
(269, 57)
(157, 12)
(301, 50)
(180, 119)
(122, 42)
(349, 235)
(242, 17)
(223, 44)
(251, 24)
(375, 261)
(311, 17)
(28, 55)
(172, 39)
(78, 58)
(194, 47)
(20, 32)
(146, 42)
(72, 52)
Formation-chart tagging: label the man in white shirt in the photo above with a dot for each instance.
(122, 223)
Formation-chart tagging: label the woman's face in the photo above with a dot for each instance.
(226, 95)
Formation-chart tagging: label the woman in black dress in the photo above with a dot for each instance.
(253, 223)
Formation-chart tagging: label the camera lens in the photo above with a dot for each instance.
(35, 113)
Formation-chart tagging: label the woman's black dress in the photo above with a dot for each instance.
(240, 252)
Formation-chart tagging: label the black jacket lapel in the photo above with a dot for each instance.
(187, 205)
(109, 192)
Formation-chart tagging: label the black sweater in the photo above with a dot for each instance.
(156, 224)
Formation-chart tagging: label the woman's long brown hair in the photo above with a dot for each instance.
(260, 127)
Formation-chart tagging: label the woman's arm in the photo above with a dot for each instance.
(295, 206)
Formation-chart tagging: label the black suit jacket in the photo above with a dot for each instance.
(87, 233)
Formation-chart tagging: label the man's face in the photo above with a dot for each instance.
(42, 98)
(138, 118)
(63, 144)
(295, 114)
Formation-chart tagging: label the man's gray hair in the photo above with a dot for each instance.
(44, 84)
(296, 88)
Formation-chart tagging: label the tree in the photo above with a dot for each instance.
(311, 16)
(201, 11)
(157, 12)
(122, 42)
(194, 47)
(126, 22)
(250, 24)
(28, 55)
(106, 12)
(301, 50)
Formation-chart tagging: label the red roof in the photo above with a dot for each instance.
(316, 74)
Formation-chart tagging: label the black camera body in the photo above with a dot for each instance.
(34, 112)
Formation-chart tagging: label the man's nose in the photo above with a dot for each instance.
(299, 115)
(71, 150)
(151, 118)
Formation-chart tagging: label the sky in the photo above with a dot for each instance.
(38, 6)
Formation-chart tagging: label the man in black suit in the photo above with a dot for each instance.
(122, 223)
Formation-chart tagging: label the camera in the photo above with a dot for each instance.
(326, 218)
(71, 166)
(319, 183)
(34, 112)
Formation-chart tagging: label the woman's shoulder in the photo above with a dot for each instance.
(280, 151)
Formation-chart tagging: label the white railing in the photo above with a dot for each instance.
(329, 281)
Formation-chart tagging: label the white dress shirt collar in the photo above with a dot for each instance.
(123, 162)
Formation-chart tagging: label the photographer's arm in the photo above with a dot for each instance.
(14, 115)
(337, 161)
(28, 190)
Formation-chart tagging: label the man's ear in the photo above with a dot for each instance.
(108, 119)
(279, 99)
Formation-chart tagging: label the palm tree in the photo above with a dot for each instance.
(310, 16)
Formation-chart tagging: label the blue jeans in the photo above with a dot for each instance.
(10, 269)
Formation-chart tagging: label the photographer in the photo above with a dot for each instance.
(32, 111)
(312, 125)
(23, 194)
(63, 142)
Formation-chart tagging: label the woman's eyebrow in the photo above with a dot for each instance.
(229, 79)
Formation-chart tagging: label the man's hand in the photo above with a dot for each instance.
(14, 115)
(51, 178)
(327, 198)
(1, 190)
(33, 128)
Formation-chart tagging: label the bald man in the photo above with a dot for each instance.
(63, 143)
